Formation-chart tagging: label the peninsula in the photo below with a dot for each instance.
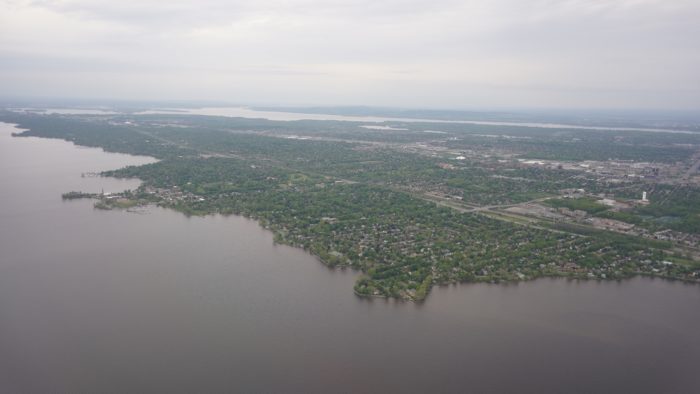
(418, 204)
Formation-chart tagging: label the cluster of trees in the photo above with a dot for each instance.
(587, 204)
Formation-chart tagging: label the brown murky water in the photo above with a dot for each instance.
(95, 301)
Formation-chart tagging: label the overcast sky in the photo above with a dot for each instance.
(412, 53)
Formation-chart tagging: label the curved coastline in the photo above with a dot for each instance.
(278, 236)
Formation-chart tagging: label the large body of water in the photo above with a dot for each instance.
(111, 301)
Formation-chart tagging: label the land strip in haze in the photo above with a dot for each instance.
(289, 114)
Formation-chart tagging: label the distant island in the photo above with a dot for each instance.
(418, 204)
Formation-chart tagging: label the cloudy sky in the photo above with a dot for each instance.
(412, 53)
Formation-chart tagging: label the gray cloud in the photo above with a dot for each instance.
(566, 53)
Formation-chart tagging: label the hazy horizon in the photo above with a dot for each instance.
(479, 55)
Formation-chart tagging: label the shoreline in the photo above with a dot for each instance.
(278, 238)
(281, 241)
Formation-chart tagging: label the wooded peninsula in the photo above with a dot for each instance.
(418, 204)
